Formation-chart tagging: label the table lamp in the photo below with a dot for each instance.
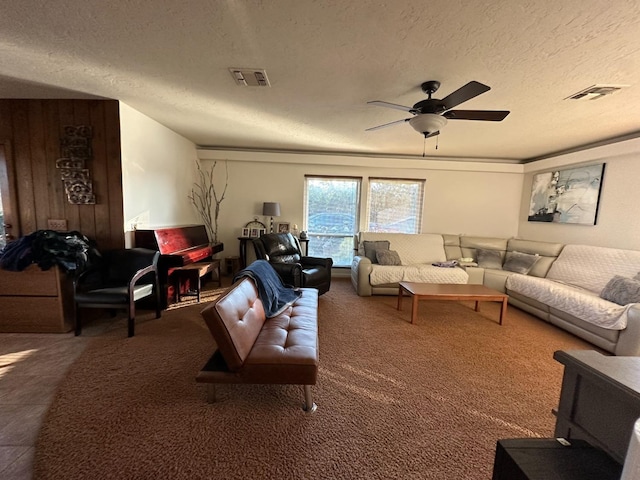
(271, 209)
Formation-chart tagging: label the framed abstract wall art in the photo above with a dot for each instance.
(571, 195)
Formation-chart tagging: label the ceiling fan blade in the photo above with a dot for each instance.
(387, 124)
(464, 93)
(380, 103)
(486, 115)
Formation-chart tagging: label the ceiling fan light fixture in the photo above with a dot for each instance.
(427, 123)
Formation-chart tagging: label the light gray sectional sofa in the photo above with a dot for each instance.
(570, 286)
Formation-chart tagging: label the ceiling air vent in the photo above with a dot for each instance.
(595, 91)
(250, 77)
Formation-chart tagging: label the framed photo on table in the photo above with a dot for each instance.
(253, 233)
(283, 227)
(245, 233)
(261, 231)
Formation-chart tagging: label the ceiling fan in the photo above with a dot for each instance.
(431, 115)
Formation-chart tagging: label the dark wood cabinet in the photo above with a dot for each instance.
(599, 400)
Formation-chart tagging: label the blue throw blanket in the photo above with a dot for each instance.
(275, 296)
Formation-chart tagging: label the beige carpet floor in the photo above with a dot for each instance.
(395, 400)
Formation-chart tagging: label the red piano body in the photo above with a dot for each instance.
(178, 246)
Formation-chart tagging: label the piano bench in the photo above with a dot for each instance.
(192, 273)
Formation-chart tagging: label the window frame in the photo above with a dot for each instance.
(356, 213)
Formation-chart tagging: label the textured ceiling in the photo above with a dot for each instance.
(326, 58)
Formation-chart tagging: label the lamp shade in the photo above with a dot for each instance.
(271, 209)
(427, 123)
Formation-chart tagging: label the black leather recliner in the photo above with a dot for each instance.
(282, 251)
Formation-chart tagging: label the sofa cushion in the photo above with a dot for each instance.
(489, 259)
(519, 262)
(235, 320)
(622, 290)
(592, 267)
(412, 247)
(372, 246)
(547, 253)
(388, 257)
(392, 274)
(579, 302)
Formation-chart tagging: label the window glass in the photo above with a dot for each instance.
(331, 212)
(395, 205)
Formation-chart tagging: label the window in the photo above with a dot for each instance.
(395, 205)
(331, 213)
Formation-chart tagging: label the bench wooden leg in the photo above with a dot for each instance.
(308, 406)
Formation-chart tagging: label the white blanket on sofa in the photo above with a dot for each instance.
(591, 267)
(580, 303)
(423, 273)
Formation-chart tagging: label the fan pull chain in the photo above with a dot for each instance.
(424, 146)
(437, 140)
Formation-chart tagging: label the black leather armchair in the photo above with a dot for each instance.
(282, 251)
(118, 281)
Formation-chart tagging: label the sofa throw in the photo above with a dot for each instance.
(622, 290)
(592, 267)
(372, 246)
(574, 301)
(489, 259)
(388, 257)
(275, 296)
(519, 262)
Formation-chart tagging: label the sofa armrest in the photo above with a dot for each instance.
(629, 339)
(360, 271)
(317, 261)
(290, 273)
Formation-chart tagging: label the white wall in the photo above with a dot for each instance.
(618, 223)
(158, 171)
(474, 198)
(460, 197)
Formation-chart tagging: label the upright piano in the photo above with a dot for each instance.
(178, 246)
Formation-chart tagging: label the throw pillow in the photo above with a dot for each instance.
(489, 259)
(520, 262)
(370, 248)
(388, 257)
(622, 290)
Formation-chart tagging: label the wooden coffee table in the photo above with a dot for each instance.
(450, 291)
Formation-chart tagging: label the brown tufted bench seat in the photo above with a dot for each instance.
(256, 349)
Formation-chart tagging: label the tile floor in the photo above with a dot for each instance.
(31, 366)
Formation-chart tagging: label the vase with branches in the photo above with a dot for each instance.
(207, 200)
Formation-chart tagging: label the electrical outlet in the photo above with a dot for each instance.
(60, 225)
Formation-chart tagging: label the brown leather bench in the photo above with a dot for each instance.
(256, 349)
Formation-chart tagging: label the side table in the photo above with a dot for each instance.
(549, 458)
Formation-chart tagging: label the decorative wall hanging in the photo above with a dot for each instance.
(75, 146)
(567, 196)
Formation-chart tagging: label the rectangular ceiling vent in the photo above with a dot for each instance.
(250, 77)
(596, 91)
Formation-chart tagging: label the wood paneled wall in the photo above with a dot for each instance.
(33, 128)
